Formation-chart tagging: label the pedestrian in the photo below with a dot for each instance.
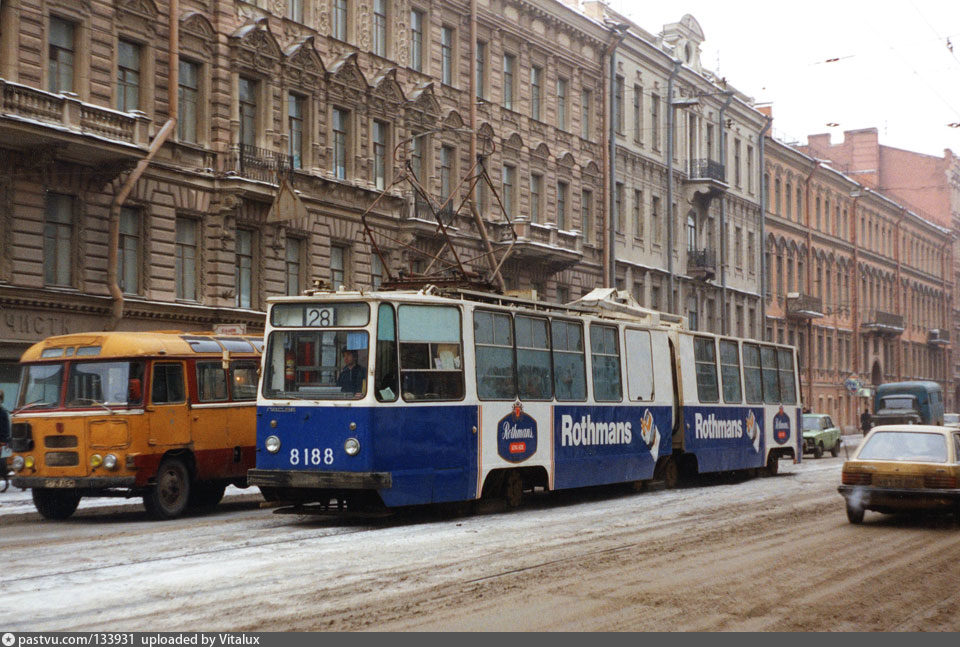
(865, 421)
(4, 422)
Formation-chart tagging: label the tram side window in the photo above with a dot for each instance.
(752, 377)
(496, 370)
(387, 375)
(167, 384)
(569, 364)
(211, 382)
(533, 358)
(705, 357)
(730, 371)
(605, 357)
(788, 386)
(431, 365)
(771, 382)
(639, 365)
(243, 380)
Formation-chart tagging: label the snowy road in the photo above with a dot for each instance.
(760, 554)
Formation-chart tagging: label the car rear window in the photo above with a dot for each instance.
(905, 446)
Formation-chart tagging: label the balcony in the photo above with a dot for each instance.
(702, 264)
(885, 324)
(705, 181)
(938, 337)
(542, 244)
(419, 221)
(258, 164)
(804, 306)
(79, 132)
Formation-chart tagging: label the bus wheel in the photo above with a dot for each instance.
(773, 465)
(168, 497)
(513, 489)
(206, 495)
(55, 504)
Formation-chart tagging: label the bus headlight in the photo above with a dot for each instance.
(96, 460)
(110, 462)
(272, 443)
(351, 446)
(29, 462)
(17, 463)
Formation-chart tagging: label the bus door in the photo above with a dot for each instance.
(242, 415)
(170, 422)
(210, 418)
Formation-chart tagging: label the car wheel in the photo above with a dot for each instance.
(818, 450)
(854, 514)
(835, 450)
(168, 497)
(56, 505)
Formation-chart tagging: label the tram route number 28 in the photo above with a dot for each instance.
(321, 317)
(311, 456)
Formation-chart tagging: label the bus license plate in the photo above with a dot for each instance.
(61, 483)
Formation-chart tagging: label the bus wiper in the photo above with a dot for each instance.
(36, 403)
(92, 401)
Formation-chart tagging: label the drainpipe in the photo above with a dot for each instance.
(724, 318)
(808, 279)
(677, 64)
(763, 230)
(609, 152)
(173, 84)
(856, 286)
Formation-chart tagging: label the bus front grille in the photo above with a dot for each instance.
(59, 442)
(62, 459)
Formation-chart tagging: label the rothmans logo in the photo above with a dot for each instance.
(516, 435)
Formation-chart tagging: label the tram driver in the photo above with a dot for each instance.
(351, 375)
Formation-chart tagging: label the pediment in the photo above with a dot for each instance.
(346, 71)
(453, 120)
(260, 45)
(196, 24)
(542, 151)
(591, 168)
(424, 100)
(143, 8)
(303, 55)
(566, 160)
(514, 141)
(387, 88)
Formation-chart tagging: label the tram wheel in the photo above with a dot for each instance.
(512, 489)
(168, 497)
(56, 505)
(206, 495)
(773, 465)
(670, 474)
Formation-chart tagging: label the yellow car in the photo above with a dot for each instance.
(903, 467)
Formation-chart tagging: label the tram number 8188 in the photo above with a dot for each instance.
(311, 456)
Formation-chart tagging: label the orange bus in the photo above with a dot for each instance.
(169, 416)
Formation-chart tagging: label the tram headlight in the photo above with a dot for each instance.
(96, 460)
(29, 462)
(272, 443)
(351, 446)
(17, 463)
(110, 462)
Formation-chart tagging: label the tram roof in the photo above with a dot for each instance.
(137, 344)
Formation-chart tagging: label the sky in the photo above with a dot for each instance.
(827, 67)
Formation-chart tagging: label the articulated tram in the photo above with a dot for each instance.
(371, 399)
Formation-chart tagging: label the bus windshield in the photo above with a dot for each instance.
(41, 386)
(108, 383)
(317, 364)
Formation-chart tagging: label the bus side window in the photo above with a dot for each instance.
(496, 369)
(533, 358)
(387, 373)
(771, 381)
(639, 364)
(167, 384)
(752, 378)
(211, 382)
(788, 386)
(605, 358)
(569, 364)
(243, 381)
(705, 357)
(730, 371)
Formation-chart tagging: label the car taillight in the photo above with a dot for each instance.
(856, 478)
(940, 481)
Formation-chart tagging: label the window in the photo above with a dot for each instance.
(586, 215)
(211, 382)
(496, 369)
(244, 270)
(295, 124)
(167, 384)
(788, 387)
(655, 219)
(638, 213)
(534, 374)
(376, 272)
(738, 247)
(750, 175)
(189, 98)
(61, 52)
(380, 27)
(481, 69)
(509, 181)
(752, 377)
(420, 142)
(730, 371)
(751, 252)
(381, 131)
(294, 263)
(536, 84)
(563, 190)
(605, 358)
(771, 381)
(569, 364)
(386, 382)
(128, 260)
(248, 112)
(340, 17)
(655, 119)
(585, 99)
(447, 155)
(618, 104)
(295, 10)
(638, 114)
(338, 258)
(446, 55)
(431, 366)
(509, 64)
(416, 40)
(562, 104)
(618, 206)
(58, 230)
(185, 264)
(639, 365)
(536, 195)
(243, 380)
(128, 76)
(341, 133)
(705, 358)
(736, 162)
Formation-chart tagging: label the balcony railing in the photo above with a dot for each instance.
(707, 169)
(542, 243)
(883, 323)
(259, 163)
(702, 263)
(938, 337)
(804, 306)
(423, 211)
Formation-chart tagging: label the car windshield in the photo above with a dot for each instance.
(951, 418)
(905, 446)
(811, 423)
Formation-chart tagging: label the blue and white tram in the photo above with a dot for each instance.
(408, 398)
